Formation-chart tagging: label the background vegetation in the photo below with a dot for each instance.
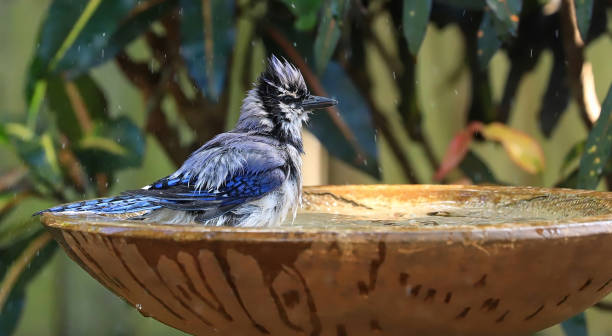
(101, 96)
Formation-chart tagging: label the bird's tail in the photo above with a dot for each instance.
(112, 205)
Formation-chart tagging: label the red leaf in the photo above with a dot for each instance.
(457, 149)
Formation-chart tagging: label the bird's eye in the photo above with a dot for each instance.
(288, 99)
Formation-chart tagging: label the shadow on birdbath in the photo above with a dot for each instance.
(358, 260)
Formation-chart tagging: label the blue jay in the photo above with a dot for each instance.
(249, 176)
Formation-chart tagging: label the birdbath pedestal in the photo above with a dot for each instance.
(359, 260)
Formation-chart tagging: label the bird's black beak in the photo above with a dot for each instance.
(316, 102)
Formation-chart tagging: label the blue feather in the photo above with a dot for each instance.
(112, 205)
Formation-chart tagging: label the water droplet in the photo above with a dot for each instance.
(394, 75)
(292, 5)
(456, 92)
(531, 53)
(295, 44)
(104, 34)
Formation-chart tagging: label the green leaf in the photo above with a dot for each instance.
(556, 97)
(306, 12)
(59, 104)
(38, 153)
(93, 97)
(507, 11)
(414, 22)
(16, 230)
(3, 136)
(207, 38)
(61, 16)
(328, 33)
(523, 149)
(575, 326)
(570, 181)
(488, 41)
(16, 131)
(584, 12)
(11, 312)
(574, 154)
(468, 4)
(19, 264)
(114, 145)
(92, 35)
(136, 24)
(93, 142)
(408, 106)
(19, 224)
(71, 36)
(348, 135)
(8, 200)
(75, 105)
(474, 168)
(598, 147)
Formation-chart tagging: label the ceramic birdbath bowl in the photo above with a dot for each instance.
(360, 260)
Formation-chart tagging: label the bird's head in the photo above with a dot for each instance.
(283, 91)
(280, 102)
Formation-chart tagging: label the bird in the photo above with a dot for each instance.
(250, 176)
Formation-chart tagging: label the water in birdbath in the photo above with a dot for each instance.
(330, 211)
(336, 211)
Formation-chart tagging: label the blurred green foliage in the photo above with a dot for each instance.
(190, 62)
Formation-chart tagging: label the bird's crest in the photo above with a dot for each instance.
(284, 77)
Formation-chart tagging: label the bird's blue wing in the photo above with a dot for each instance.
(109, 205)
(179, 193)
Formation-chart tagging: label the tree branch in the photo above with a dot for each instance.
(71, 164)
(138, 73)
(12, 178)
(151, 87)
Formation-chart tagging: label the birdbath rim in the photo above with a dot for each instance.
(536, 229)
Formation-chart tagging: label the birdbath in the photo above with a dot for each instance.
(359, 260)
